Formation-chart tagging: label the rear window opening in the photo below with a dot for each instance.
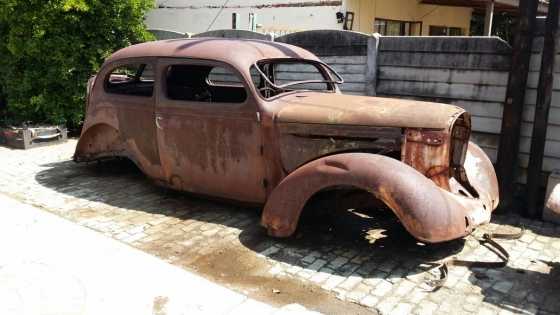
(131, 79)
(202, 83)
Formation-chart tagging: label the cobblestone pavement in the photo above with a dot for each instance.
(365, 261)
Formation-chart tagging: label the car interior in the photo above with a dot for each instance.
(134, 79)
(202, 83)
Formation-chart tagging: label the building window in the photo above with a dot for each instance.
(455, 31)
(397, 28)
(445, 31)
(348, 21)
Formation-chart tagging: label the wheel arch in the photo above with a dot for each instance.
(423, 208)
(99, 141)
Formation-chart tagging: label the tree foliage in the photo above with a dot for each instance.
(503, 25)
(49, 49)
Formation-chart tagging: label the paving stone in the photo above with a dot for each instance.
(404, 288)
(373, 281)
(321, 276)
(470, 308)
(386, 305)
(530, 308)
(416, 296)
(503, 286)
(269, 251)
(402, 309)
(311, 257)
(332, 282)
(350, 282)
(358, 293)
(305, 273)
(276, 269)
(294, 270)
(387, 266)
(317, 264)
(535, 297)
(338, 262)
(551, 304)
(348, 269)
(382, 288)
(369, 301)
(425, 308)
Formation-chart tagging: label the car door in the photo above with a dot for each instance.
(129, 101)
(209, 135)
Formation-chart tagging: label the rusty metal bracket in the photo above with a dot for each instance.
(434, 138)
(495, 247)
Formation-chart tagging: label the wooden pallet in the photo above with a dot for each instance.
(31, 137)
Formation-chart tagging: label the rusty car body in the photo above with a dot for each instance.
(271, 127)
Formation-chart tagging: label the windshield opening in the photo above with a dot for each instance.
(276, 76)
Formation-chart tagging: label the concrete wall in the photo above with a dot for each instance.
(346, 52)
(552, 147)
(166, 34)
(470, 72)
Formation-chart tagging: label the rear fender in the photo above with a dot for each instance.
(428, 212)
(97, 141)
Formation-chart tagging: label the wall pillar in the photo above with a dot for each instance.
(488, 18)
(371, 64)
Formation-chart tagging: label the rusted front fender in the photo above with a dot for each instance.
(428, 212)
(482, 176)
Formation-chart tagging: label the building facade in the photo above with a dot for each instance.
(278, 17)
(266, 16)
(409, 18)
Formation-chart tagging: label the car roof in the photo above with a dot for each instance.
(238, 52)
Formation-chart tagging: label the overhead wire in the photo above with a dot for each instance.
(217, 15)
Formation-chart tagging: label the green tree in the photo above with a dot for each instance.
(49, 49)
(503, 25)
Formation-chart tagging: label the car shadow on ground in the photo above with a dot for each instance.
(372, 234)
(373, 246)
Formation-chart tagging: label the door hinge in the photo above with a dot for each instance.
(261, 149)
(265, 183)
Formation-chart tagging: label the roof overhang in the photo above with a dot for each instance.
(509, 6)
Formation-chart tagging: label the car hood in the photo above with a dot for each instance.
(340, 109)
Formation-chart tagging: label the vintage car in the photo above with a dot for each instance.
(265, 123)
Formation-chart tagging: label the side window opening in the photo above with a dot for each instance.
(131, 79)
(202, 83)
